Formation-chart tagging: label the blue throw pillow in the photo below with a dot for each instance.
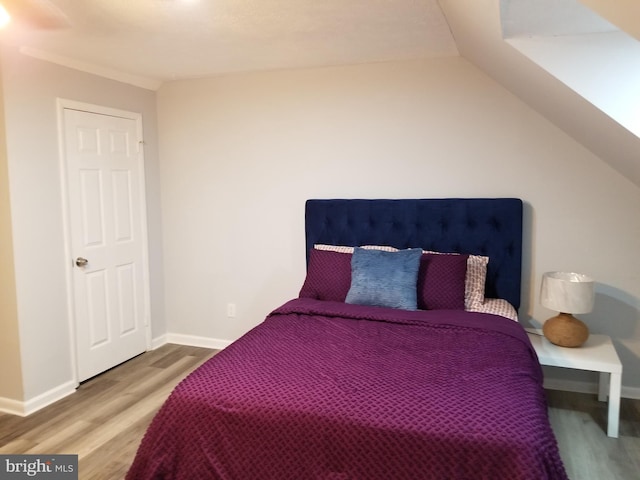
(384, 279)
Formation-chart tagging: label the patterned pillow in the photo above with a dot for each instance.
(441, 279)
(475, 279)
(497, 306)
(384, 279)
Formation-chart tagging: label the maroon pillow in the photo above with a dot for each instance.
(441, 279)
(441, 282)
(328, 276)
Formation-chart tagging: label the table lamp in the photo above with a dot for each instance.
(566, 293)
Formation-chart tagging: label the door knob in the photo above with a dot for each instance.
(81, 262)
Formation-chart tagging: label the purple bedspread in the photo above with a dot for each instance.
(327, 390)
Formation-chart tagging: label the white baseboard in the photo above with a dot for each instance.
(24, 408)
(196, 341)
(190, 340)
(586, 387)
(631, 392)
(158, 342)
(49, 397)
(12, 407)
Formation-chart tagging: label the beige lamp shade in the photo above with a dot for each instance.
(566, 293)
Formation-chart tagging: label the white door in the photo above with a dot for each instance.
(106, 216)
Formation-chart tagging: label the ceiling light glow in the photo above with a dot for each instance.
(4, 17)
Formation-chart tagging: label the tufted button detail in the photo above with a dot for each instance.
(471, 223)
(477, 226)
(495, 224)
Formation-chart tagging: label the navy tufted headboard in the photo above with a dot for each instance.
(481, 226)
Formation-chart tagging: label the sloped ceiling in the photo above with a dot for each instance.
(583, 50)
(477, 29)
(550, 18)
(625, 14)
(147, 42)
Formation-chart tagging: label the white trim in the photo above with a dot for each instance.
(135, 80)
(189, 340)
(570, 385)
(158, 342)
(144, 227)
(61, 105)
(66, 232)
(15, 407)
(631, 392)
(100, 109)
(586, 387)
(11, 406)
(195, 341)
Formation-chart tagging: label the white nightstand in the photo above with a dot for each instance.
(597, 355)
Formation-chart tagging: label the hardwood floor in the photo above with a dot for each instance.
(579, 421)
(104, 421)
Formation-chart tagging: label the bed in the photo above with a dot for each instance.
(423, 381)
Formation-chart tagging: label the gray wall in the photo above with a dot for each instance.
(30, 90)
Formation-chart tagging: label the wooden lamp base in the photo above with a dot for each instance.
(565, 330)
